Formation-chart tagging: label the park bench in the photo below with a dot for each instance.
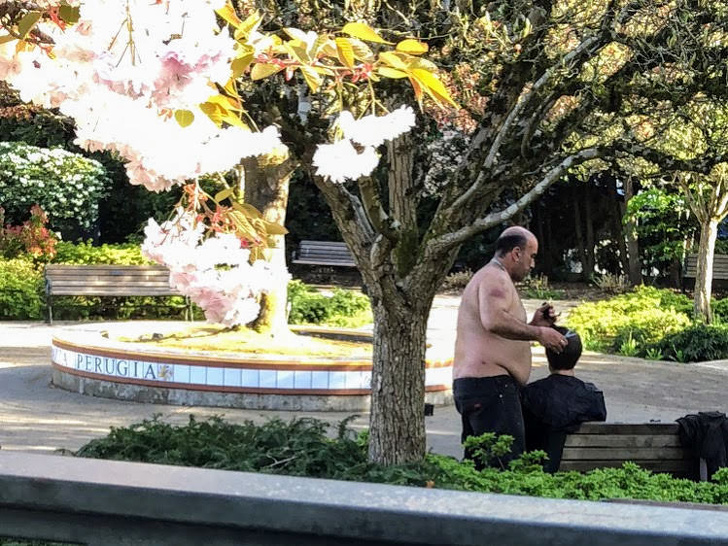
(323, 253)
(108, 280)
(653, 446)
(720, 267)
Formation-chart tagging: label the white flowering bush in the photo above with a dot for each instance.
(67, 186)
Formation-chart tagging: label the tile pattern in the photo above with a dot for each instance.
(114, 366)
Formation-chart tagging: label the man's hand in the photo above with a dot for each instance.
(552, 339)
(544, 315)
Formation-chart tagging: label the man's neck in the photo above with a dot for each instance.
(562, 372)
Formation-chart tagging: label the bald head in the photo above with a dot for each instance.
(512, 237)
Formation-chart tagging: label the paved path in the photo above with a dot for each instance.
(35, 416)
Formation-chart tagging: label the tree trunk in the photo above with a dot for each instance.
(586, 273)
(397, 421)
(266, 180)
(589, 223)
(704, 276)
(630, 231)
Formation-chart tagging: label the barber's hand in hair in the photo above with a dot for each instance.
(552, 339)
(544, 315)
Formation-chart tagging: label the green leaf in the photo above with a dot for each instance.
(28, 21)
(363, 32)
(69, 14)
(184, 117)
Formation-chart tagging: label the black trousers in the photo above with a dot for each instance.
(490, 404)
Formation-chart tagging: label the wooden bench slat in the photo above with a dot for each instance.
(720, 266)
(621, 441)
(107, 281)
(682, 468)
(323, 253)
(627, 428)
(625, 453)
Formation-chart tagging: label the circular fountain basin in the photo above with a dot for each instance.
(87, 359)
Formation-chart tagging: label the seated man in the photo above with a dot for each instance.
(558, 404)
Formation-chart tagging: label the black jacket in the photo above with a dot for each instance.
(555, 406)
(706, 433)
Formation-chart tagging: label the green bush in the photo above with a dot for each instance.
(67, 186)
(344, 308)
(302, 447)
(698, 343)
(644, 315)
(21, 290)
(84, 253)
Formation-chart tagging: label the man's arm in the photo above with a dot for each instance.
(495, 301)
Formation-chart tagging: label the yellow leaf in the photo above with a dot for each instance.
(6, 39)
(393, 73)
(413, 47)
(251, 23)
(261, 71)
(248, 210)
(184, 117)
(419, 62)
(275, 229)
(224, 194)
(227, 12)
(313, 79)
(345, 52)
(433, 86)
(232, 119)
(417, 88)
(363, 32)
(213, 112)
(362, 51)
(241, 64)
(393, 59)
(297, 50)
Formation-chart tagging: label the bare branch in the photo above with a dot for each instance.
(450, 240)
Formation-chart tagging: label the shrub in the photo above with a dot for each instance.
(645, 315)
(538, 288)
(697, 343)
(456, 281)
(21, 290)
(33, 237)
(67, 186)
(84, 253)
(302, 447)
(344, 308)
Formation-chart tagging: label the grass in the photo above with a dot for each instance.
(219, 339)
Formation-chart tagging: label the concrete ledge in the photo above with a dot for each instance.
(109, 502)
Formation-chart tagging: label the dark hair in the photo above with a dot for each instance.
(506, 243)
(566, 360)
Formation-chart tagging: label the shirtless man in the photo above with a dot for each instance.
(493, 345)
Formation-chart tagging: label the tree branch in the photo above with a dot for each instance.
(450, 240)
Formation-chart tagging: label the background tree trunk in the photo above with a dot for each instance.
(266, 180)
(704, 276)
(634, 266)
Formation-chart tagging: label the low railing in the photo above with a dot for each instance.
(109, 502)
